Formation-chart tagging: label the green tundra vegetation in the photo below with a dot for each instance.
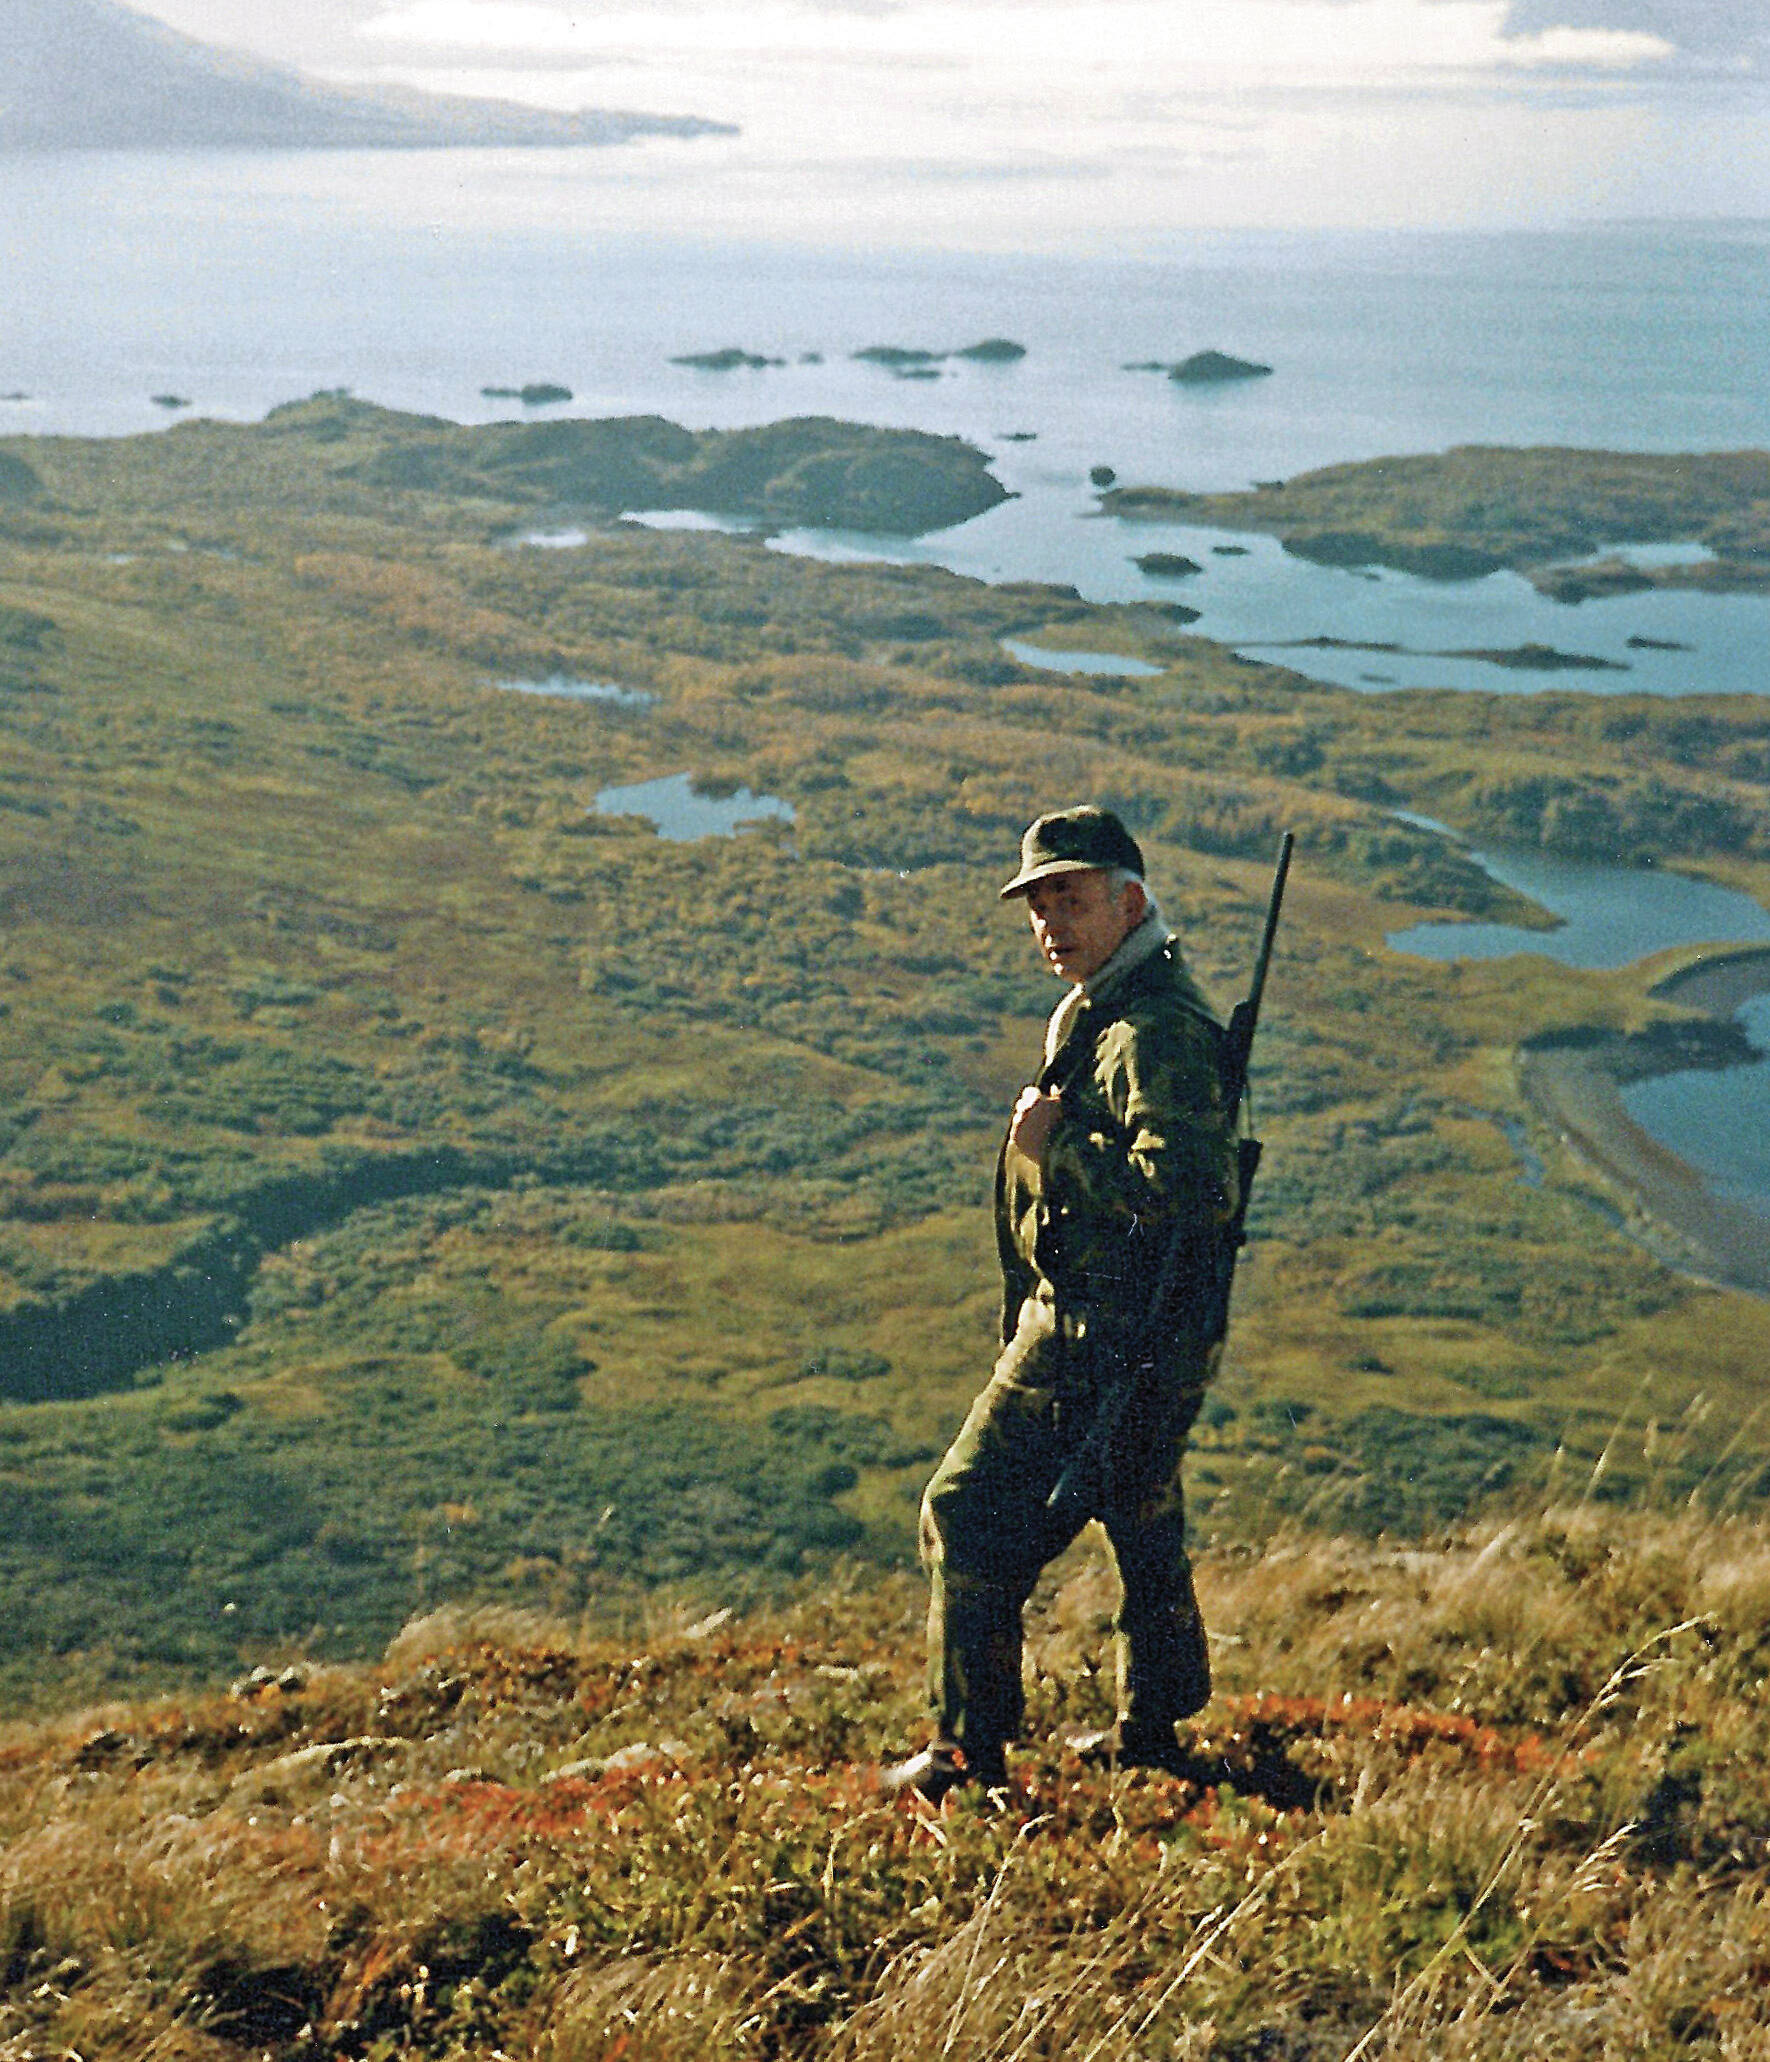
(1458, 514)
(418, 1189)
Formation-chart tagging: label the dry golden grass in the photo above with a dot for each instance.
(1502, 1797)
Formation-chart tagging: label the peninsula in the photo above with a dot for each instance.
(1561, 517)
(97, 75)
(482, 1284)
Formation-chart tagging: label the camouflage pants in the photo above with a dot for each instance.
(986, 1534)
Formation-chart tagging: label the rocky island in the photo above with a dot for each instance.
(1204, 368)
(911, 362)
(539, 393)
(729, 358)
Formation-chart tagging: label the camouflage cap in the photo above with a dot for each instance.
(1073, 841)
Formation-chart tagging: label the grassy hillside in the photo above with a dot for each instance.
(415, 1187)
(1505, 1797)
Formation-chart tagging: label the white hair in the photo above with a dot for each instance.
(1118, 878)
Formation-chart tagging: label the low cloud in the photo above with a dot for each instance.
(1715, 37)
(1603, 50)
(1263, 43)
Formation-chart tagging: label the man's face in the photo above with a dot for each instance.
(1080, 920)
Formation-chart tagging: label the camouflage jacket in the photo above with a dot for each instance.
(1144, 1149)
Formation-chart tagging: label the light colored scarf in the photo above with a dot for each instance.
(1143, 943)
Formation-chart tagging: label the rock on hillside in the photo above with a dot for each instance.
(92, 74)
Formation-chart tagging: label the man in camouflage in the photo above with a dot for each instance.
(1123, 1146)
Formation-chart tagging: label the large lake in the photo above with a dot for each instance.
(238, 281)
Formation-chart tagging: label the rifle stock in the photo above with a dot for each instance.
(1083, 1485)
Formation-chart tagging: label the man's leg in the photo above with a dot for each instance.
(1164, 1662)
(985, 1536)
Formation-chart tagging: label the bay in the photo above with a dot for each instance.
(1716, 1119)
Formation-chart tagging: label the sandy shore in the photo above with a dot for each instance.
(1673, 1211)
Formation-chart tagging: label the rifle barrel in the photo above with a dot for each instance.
(1281, 873)
(1245, 1017)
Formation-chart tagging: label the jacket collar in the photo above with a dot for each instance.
(1135, 950)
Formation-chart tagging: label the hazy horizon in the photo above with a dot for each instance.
(1039, 124)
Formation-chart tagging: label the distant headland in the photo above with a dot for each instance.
(1553, 515)
(811, 471)
(96, 75)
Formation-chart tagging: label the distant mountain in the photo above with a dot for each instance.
(91, 74)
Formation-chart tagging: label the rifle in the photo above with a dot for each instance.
(1083, 1483)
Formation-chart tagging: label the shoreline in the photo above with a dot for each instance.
(1669, 1205)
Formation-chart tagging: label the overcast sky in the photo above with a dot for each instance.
(1167, 113)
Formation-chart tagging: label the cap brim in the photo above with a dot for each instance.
(1022, 881)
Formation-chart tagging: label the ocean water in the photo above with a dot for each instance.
(239, 281)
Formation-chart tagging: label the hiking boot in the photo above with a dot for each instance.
(1135, 1747)
(941, 1768)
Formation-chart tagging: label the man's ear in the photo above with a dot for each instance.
(1137, 901)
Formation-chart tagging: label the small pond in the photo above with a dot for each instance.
(559, 687)
(1648, 556)
(689, 519)
(566, 539)
(1109, 663)
(682, 814)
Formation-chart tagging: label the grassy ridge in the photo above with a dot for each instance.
(504, 1165)
(1504, 1797)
